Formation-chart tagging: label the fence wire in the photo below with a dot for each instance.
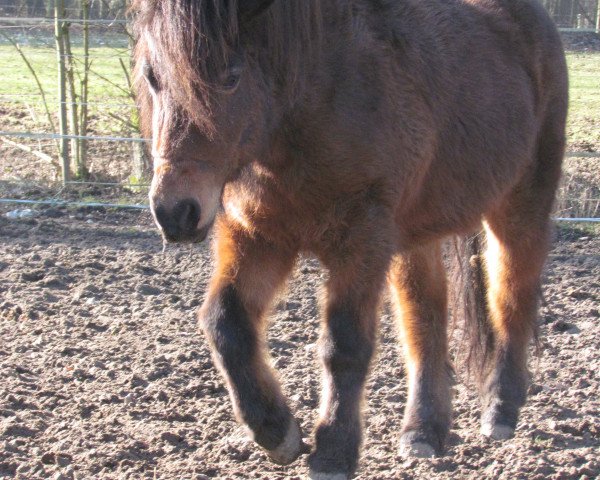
(60, 203)
(55, 136)
(50, 21)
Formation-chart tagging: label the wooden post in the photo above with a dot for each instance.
(83, 130)
(59, 26)
(76, 171)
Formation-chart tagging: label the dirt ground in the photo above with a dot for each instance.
(105, 375)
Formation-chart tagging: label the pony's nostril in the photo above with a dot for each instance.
(179, 223)
(162, 216)
(187, 215)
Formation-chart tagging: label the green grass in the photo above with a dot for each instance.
(39, 47)
(584, 103)
(17, 79)
(107, 81)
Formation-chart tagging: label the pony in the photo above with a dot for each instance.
(364, 132)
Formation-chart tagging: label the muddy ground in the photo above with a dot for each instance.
(103, 373)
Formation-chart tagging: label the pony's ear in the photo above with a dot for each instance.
(250, 9)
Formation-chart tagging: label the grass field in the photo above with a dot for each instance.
(108, 87)
(105, 52)
(108, 79)
(584, 111)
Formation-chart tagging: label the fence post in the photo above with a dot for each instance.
(59, 26)
(598, 18)
(83, 129)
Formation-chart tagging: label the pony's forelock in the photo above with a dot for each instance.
(189, 42)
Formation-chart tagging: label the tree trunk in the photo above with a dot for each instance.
(59, 28)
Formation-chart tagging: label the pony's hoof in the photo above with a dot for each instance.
(497, 431)
(415, 444)
(313, 475)
(291, 447)
(414, 449)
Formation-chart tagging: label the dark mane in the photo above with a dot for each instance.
(196, 39)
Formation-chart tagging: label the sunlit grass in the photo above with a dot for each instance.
(584, 105)
(108, 86)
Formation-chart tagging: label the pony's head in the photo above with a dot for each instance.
(208, 74)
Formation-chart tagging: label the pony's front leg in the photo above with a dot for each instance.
(346, 347)
(249, 272)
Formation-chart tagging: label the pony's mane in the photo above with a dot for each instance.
(193, 40)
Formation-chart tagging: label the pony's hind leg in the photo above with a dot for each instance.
(515, 257)
(418, 283)
(249, 272)
(518, 242)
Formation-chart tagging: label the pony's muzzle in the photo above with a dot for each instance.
(180, 223)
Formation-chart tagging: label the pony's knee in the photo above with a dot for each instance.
(347, 345)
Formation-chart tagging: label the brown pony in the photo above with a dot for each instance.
(364, 132)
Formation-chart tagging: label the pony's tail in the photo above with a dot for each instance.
(468, 294)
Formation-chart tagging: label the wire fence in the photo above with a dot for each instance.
(63, 203)
(111, 104)
(55, 136)
(50, 21)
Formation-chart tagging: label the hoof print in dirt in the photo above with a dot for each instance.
(172, 438)
(149, 290)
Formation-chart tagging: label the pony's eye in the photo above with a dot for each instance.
(150, 76)
(231, 81)
(230, 77)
